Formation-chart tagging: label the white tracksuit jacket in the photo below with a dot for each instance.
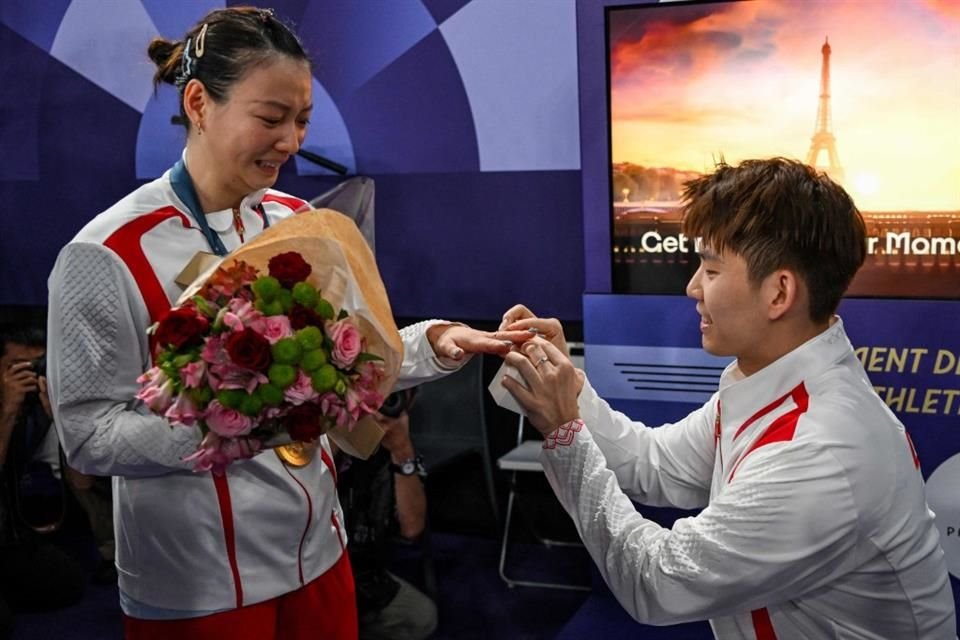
(815, 522)
(185, 541)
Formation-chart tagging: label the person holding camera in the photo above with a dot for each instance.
(33, 572)
(382, 497)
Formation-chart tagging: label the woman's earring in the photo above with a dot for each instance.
(200, 128)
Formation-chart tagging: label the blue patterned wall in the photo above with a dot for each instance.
(464, 112)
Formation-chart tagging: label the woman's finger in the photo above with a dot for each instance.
(514, 313)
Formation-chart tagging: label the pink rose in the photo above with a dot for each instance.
(300, 391)
(276, 327)
(227, 422)
(347, 343)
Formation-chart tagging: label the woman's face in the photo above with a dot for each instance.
(258, 127)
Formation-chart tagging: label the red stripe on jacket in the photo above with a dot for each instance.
(125, 242)
(229, 535)
(780, 430)
(294, 204)
(762, 625)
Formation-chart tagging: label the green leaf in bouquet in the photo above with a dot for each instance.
(306, 294)
(170, 369)
(250, 405)
(266, 288)
(201, 396)
(367, 357)
(218, 321)
(313, 360)
(324, 308)
(340, 386)
(282, 375)
(203, 306)
(183, 360)
(286, 351)
(310, 338)
(270, 394)
(231, 398)
(272, 308)
(285, 298)
(324, 378)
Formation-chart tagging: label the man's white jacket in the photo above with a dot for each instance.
(814, 521)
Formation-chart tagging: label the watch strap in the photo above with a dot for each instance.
(410, 467)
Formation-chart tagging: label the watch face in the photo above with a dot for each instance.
(408, 468)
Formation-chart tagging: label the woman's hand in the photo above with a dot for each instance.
(553, 384)
(520, 318)
(453, 342)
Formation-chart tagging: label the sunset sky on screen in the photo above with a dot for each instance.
(691, 83)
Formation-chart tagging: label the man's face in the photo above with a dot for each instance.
(15, 353)
(733, 314)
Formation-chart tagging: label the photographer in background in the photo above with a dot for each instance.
(381, 497)
(33, 572)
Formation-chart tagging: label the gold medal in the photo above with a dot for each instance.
(297, 454)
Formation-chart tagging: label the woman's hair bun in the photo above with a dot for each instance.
(166, 55)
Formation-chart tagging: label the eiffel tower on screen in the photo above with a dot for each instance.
(823, 139)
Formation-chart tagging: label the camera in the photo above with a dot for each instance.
(397, 403)
(39, 365)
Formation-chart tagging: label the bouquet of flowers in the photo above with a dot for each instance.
(256, 359)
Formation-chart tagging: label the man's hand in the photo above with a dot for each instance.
(396, 436)
(18, 380)
(409, 493)
(520, 318)
(550, 397)
(453, 342)
(44, 396)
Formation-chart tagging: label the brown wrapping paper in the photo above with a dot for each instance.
(345, 271)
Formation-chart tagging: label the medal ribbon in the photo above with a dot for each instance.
(183, 186)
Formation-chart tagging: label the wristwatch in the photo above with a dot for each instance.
(410, 467)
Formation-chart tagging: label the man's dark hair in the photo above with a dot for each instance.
(780, 213)
(28, 336)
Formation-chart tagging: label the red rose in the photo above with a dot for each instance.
(300, 317)
(181, 327)
(305, 422)
(249, 349)
(289, 268)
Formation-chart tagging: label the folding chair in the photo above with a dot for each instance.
(525, 457)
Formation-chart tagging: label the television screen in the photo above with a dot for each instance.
(868, 92)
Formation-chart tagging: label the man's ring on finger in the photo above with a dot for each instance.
(540, 362)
